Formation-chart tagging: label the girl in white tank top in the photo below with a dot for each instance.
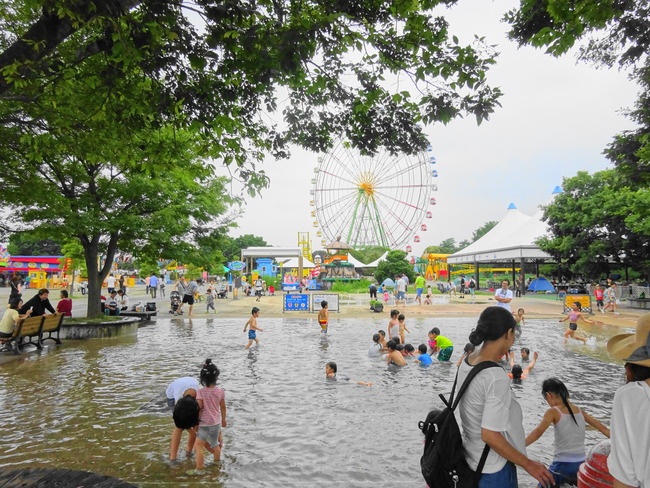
(569, 423)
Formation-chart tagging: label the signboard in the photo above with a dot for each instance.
(237, 265)
(332, 300)
(584, 300)
(296, 302)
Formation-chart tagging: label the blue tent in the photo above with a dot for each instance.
(541, 284)
(388, 283)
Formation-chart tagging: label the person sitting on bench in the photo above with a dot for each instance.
(111, 307)
(38, 304)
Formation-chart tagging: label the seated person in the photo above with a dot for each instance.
(517, 373)
(10, 319)
(111, 306)
(38, 304)
(423, 358)
(65, 304)
(122, 300)
(375, 348)
(394, 356)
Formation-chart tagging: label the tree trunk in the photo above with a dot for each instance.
(94, 285)
(95, 274)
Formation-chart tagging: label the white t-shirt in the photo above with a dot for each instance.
(374, 349)
(179, 386)
(503, 294)
(489, 403)
(629, 461)
(401, 285)
(110, 282)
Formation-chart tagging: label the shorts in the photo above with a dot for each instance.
(189, 299)
(252, 334)
(599, 303)
(445, 354)
(209, 433)
(400, 295)
(323, 325)
(4, 335)
(171, 402)
(419, 292)
(565, 472)
(506, 478)
(573, 326)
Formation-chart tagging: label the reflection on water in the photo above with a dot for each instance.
(96, 404)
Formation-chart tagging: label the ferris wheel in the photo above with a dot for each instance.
(373, 201)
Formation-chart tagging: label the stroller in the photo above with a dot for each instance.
(174, 302)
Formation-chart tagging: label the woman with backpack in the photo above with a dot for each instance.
(489, 410)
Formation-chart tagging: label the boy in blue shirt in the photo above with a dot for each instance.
(423, 358)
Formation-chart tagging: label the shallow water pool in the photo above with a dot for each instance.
(87, 405)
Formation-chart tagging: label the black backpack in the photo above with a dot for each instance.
(443, 462)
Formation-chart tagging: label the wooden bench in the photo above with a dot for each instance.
(26, 328)
(51, 325)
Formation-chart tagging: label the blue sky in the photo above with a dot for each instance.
(557, 116)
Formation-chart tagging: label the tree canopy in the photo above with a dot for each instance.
(599, 223)
(114, 114)
(232, 247)
(395, 265)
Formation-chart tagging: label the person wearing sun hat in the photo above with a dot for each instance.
(629, 460)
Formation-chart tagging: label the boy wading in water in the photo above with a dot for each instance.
(323, 317)
(252, 323)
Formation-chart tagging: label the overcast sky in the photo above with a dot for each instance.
(556, 118)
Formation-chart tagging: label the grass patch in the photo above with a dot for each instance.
(360, 286)
(86, 320)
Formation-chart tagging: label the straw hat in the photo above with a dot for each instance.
(633, 348)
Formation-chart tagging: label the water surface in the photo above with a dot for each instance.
(87, 405)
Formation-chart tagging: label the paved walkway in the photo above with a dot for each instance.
(353, 306)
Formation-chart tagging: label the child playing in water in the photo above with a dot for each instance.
(323, 317)
(599, 294)
(401, 321)
(409, 350)
(394, 356)
(393, 324)
(519, 318)
(427, 299)
(386, 297)
(519, 373)
(440, 344)
(181, 396)
(330, 374)
(209, 301)
(573, 317)
(467, 350)
(375, 348)
(423, 358)
(525, 354)
(382, 340)
(569, 423)
(252, 333)
(212, 417)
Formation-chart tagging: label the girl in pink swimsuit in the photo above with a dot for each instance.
(574, 315)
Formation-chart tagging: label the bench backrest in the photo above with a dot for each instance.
(52, 323)
(29, 326)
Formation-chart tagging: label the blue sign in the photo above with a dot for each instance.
(293, 301)
(237, 265)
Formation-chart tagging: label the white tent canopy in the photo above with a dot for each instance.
(293, 263)
(513, 238)
(359, 264)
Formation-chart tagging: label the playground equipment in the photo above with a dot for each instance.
(304, 243)
(370, 201)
